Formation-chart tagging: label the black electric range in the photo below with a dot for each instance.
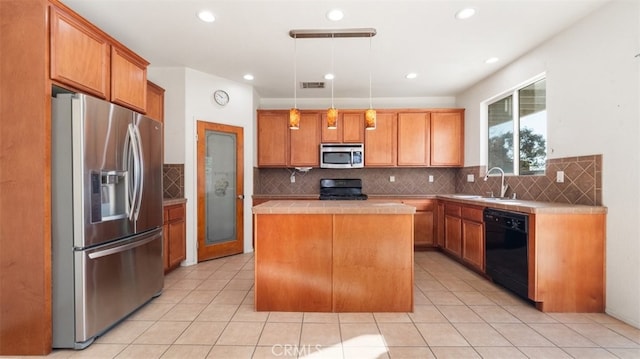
(341, 189)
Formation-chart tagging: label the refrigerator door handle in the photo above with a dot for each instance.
(133, 148)
(126, 247)
(140, 172)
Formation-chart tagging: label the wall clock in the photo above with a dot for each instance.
(221, 97)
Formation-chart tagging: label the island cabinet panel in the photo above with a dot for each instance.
(413, 139)
(567, 262)
(350, 128)
(293, 262)
(305, 141)
(372, 270)
(80, 57)
(447, 139)
(273, 138)
(380, 145)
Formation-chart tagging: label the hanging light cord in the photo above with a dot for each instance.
(332, 70)
(295, 71)
(370, 69)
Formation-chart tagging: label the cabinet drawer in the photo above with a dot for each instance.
(173, 213)
(452, 209)
(472, 214)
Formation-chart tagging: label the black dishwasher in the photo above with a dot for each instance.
(506, 239)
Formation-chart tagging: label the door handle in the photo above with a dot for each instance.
(240, 196)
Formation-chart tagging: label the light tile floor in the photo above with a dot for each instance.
(206, 311)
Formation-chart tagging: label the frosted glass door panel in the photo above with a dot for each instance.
(220, 171)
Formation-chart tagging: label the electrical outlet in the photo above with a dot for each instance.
(392, 178)
(560, 176)
(430, 178)
(470, 177)
(292, 178)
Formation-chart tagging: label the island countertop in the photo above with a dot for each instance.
(329, 207)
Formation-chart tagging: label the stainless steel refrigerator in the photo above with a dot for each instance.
(106, 216)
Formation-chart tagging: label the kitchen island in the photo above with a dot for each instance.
(333, 256)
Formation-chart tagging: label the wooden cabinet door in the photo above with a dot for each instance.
(155, 102)
(350, 128)
(380, 144)
(423, 222)
(304, 150)
(473, 243)
(273, 142)
(453, 235)
(80, 56)
(128, 79)
(447, 139)
(353, 127)
(413, 139)
(177, 243)
(440, 225)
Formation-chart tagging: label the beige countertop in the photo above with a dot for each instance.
(524, 206)
(517, 205)
(332, 207)
(172, 201)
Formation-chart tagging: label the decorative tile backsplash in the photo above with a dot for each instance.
(412, 181)
(173, 180)
(582, 181)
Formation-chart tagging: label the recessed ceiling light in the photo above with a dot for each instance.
(206, 16)
(329, 77)
(465, 13)
(491, 60)
(248, 77)
(411, 75)
(335, 15)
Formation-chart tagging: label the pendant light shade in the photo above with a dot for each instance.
(294, 119)
(294, 113)
(370, 119)
(332, 118)
(370, 114)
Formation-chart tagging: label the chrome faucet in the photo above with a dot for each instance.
(503, 187)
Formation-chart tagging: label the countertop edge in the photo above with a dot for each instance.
(172, 201)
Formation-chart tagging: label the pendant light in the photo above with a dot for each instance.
(294, 113)
(370, 114)
(332, 113)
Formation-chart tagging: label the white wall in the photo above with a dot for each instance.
(593, 107)
(189, 99)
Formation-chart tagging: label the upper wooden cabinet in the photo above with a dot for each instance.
(155, 101)
(128, 79)
(304, 149)
(273, 138)
(413, 139)
(447, 138)
(350, 128)
(80, 57)
(380, 145)
(88, 60)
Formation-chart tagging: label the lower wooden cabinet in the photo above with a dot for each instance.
(464, 233)
(174, 229)
(423, 222)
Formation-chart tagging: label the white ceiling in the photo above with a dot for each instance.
(420, 36)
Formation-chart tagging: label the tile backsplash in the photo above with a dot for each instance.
(582, 181)
(173, 180)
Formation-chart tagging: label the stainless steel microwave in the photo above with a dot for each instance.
(337, 155)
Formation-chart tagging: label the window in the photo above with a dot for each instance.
(518, 130)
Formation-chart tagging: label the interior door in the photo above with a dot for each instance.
(220, 190)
